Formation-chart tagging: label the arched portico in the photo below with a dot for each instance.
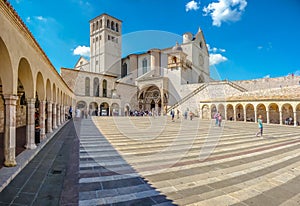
(205, 112)
(230, 112)
(261, 110)
(114, 109)
(250, 113)
(150, 99)
(104, 109)
(274, 115)
(239, 112)
(287, 114)
(93, 109)
(213, 111)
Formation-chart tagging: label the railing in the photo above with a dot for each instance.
(190, 95)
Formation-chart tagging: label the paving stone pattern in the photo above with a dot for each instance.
(154, 161)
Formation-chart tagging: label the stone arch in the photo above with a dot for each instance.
(230, 112)
(205, 111)
(26, 78)
(114, 109)
(274, 115)
(287, 112)
(48, 90)
(93, 109)
(261, 110)
(213, 110)
(104, 109)
(298, 115)
(112, 25)
(250, 113)
(124, 70)
(8, 83)
(40, 86)
(81, 107)
(221, 109)
(239, 112)
(54, 93)
(127, 109)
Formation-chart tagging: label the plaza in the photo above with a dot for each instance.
(120, 147)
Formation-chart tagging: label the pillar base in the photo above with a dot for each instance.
(30, 146)
(43, 136)
(10, 163)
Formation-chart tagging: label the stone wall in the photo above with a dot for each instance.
(1, 115)
(267, 83)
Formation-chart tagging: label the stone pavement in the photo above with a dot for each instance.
(153, 161)
(48, 179)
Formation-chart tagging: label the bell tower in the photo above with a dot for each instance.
(105, 45)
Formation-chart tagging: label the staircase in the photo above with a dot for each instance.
(190, 95)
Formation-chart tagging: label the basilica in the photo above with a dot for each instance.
(36, 99)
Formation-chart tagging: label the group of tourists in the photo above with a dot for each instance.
(218, 118)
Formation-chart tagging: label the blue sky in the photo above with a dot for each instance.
(247, 39)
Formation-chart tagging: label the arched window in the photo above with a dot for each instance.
(101, 23)
(87, 86)
(97, 25)
(112, 25)
(93, 26)
(108, 24)
(104, 86)
(96, 87)
(117, 27)
(124, 70)
(144, 65)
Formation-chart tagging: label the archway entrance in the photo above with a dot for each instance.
(239, 113)
(114, 109)
(150, 100)
(205, 112)
(287, 114)
(93, 109)
(250, 114)
(81, 107)
(261, 110)
(230, 112)
(104, 109)
(274, 114)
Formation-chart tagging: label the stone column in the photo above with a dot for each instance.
(162, 111)
(268, 116)
(99, 110)
(295, 119)
(10, 102)
(54, 117)
(234, 113)
(255, 116)
(225, 112)
(280, 117)
(49, 120)
(245, 115)
(58, 117)
(42, 120)
(156, 108)
(30, 127)
(62, 114)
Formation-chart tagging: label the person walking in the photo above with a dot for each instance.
(173, 115)
(216, 116)
(219, 120)
(260, 126)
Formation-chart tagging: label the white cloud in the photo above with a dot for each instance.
(82, 51)
(40, 18)
(214, 49)
(225, 11)
(297, 73)
(28, 19)
(216, 59)
(192, 5)
(267, 76)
